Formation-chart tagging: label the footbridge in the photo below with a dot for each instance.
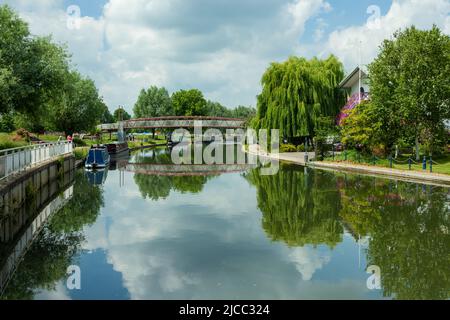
(174, 122)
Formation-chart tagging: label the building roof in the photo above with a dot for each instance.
(353, 78)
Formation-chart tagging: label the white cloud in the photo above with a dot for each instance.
(423, 14)
(221, 47)
(308, 261)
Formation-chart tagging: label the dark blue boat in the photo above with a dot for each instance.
(97, 158)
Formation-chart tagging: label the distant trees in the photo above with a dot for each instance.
(153, 102)
(296, 93)
(215, 109)
(38, 89)
(107, 117)
(156, 102)
(189, 103)
(121, 114)
(243, 112)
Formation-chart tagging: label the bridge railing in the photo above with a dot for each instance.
(175, 122)
(19, 159)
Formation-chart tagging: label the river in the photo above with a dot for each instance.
(299, 234)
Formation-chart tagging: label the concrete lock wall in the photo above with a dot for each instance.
(31, 189)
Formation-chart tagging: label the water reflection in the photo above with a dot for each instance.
(97, 177)
(408, 225)
(57, 241)
(299, 208)
(409, 234)
(296, 234)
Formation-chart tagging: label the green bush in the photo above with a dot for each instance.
(301, 148)
(78, 142)
(288, 148)
(80, 153)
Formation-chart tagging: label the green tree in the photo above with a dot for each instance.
(32, 69)
(242, 112)
(7, 122)
(410, 86)
(153, 102)
(362, 127)
(189, 103)
(296, 92)
(79, 108)
(121, 114)
(215, 109)
(107, 117)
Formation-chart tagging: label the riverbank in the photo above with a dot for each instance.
(406, 175)
(411, 176)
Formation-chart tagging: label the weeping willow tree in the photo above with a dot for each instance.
(296, 93)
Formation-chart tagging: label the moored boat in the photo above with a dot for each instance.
(117, 148)
(97, 158)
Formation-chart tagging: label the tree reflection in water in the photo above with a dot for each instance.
(299, 208)
(157, 187)
(409, 230)
(53, 251)
(407, 224)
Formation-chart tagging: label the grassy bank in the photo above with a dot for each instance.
(11, 140)
(441, 164)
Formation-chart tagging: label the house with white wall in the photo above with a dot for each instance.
(356, 84)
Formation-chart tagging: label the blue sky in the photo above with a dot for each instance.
(221, 47)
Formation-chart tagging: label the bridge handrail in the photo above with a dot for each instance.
(186, 118)
(18, 159)
(134, 122)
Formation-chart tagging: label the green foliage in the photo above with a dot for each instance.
(153, 102)
(8, 141)
(79, 108)
(215, 109)
(121, 114)
(295, 93)
(32, 69)
(189, 103)
(242, 112)
(287, 148)
(106, 117)
(81, 153)
(361, 129)
(7, 122)
(410, 86)
(37, 85)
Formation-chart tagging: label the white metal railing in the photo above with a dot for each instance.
(19, 159)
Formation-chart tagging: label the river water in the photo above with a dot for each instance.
(150, 233)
